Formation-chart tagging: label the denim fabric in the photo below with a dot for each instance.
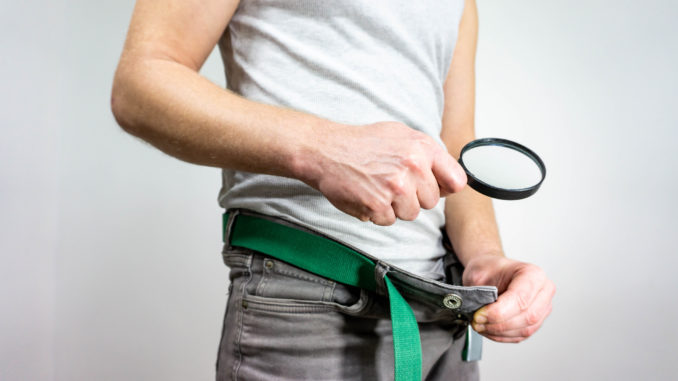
(283, 323)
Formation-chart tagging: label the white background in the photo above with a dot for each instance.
(110, 264)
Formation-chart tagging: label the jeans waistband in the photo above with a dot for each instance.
(431, 300)
(325, 256)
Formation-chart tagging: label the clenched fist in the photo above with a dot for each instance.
(380, 172)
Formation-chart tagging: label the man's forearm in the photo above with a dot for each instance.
(183, 114)
(471, 226)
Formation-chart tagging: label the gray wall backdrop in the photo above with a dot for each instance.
(110, 263)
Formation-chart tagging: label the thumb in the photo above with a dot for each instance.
(450, 175)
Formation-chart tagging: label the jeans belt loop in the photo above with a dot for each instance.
(380, 271)
(228, 226)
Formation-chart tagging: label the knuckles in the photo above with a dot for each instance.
(528, 331)
(377, 207)
(413, 163)
(534, 271)
(379, 211)
(429, 203)
(522, 301)
(396, 185)
(384, 220)
(397, 182)
(532, 318)
(409, 215)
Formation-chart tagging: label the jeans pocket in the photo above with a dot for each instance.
(275, 285)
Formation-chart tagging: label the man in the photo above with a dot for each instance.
(341, 117)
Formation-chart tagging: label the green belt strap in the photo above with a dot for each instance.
(334, 261)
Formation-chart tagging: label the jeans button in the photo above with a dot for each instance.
(452, 301)
(268, 264)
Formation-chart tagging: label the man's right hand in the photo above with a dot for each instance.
(381, 171)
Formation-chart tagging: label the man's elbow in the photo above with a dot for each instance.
(123, 103)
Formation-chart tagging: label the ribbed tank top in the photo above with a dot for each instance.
(354, 62)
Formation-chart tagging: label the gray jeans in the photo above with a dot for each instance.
(284, 323)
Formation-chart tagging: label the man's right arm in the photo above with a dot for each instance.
(159, 96)
(377, 172)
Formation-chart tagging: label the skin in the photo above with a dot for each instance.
(378, 172)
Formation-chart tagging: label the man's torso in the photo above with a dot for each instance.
(354, 62)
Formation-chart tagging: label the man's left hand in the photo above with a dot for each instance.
(524, 301)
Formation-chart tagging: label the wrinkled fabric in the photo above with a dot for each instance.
(284, 323)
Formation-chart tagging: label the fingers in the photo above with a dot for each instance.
(517, 335)
(520, 311)
(527, 322)
(448, 173)
(406, 205)
(422, 193)
(386, 172)
(414, 189)
(518, 297)
(384, 218)
(380, 211)
(428, 192)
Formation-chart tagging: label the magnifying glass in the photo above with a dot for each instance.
(501, 168)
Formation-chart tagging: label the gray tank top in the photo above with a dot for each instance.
(354, 62)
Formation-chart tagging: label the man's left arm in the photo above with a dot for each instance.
(525, 292)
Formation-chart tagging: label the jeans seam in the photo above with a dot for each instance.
(295, 306)
(303, 277)
(328, 294)
(233, 260)
(239, 320)
(261, 287)
(229, 292)
(258, 303)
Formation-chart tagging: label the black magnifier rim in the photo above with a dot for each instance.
(502, 193)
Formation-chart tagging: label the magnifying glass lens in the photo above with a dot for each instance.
(502, 169)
